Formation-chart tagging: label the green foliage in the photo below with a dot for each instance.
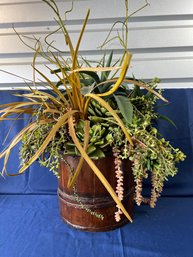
(105, 74)
(150, 153)
(125, 106)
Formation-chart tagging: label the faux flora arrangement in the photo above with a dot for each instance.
(96, 132)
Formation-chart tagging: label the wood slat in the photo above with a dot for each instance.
(31, 11)
(160, 36)
(167, 70)
(138, 39)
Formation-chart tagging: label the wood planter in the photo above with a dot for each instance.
(92, 195)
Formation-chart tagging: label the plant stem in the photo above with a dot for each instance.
(126, 23)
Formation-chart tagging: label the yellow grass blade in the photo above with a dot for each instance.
(10, 111)
(15, 106)
(28, 128)
(31, 96)
(43, 95)
(122, 76)
(95, 169)
(51, 84)
(77, 97)
(113, 113)
(12, 125)
(9, 104)
(14, 142)
(52, 111)
(17, 111)
(17, 139)
(34, 59)
(69, 43)
(2, 119)
(79, 41)
(61, 121)
(64, 74)
(72, 180)
(137, 83)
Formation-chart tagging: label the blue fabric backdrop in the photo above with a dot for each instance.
(30, 225)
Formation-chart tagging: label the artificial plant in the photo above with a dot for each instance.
(89, 112)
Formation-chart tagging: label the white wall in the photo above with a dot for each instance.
(160, 36)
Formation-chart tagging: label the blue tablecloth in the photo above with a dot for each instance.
(30, 225)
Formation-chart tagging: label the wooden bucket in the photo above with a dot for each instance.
(80, 207)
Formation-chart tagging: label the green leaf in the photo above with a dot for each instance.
(105, 74)
(59, 83)
(125, 107)
(97, 154)
(148, 164)
(90, 149)
(59, 70)
(163, 117)
(92, 74)
(136, 91)
(105, 87)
